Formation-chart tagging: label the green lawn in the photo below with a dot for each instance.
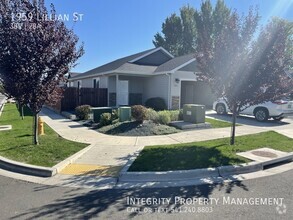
(16, 144)
(218, 123)
(204, 154)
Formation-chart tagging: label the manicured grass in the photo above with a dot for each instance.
(16, 144)
(218, 124)
(134, 128)
(204, 154)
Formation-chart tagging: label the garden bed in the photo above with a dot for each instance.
(134, 128)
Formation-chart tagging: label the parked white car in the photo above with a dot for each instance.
(277, 109)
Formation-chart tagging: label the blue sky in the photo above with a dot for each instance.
(111, 29)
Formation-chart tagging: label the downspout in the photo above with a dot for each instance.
(169, 92)
(117, 88)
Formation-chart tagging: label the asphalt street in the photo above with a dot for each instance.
(23, 200)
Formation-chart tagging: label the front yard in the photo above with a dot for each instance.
(205, 154)
(16, 144)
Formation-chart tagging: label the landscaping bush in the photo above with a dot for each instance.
(180, 116)
(157, 104)
(83, 112)
(115, 114)
(105, 119)
(152, 115)
(139, 112)
(174, 115)
(164, 117)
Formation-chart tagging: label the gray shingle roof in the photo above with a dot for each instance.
(137, 68)
(124, 65)
(73, 74)
(114, 64)
(173, 63)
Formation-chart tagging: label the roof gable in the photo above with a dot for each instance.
(146, 58)
(155, 59)
(176, 63)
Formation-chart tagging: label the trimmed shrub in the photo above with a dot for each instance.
(164, 117)
(138, 112)
(152, 115)
(180, 116)
(83, 112)
(115, 114)
(105, 119)
(157, 104)
(174, 115)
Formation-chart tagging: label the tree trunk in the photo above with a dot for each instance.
(36, 138)
(22, 114)
(232, 139)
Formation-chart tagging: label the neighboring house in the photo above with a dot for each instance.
(153, 73)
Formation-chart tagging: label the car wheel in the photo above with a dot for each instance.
(261, 114)
(221, 109)
(278, 118)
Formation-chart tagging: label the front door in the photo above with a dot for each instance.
(187, 93)
(122, 94)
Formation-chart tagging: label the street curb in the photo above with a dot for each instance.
(28, 169)
(168, 175)
(240, 169)
(60, 166)
(40, 171)
(288, 157)
(184, 175)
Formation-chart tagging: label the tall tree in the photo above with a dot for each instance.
(172, 35)
(188, 30)
(242, 70)
(36, 52)
(179, 33)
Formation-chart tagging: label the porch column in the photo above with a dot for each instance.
(117, 89)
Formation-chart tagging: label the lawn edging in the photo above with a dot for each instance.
(182, 175)
(28, 169)
(40, 171)
(61, 165)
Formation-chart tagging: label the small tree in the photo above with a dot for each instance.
(36, 55)
(242, 70)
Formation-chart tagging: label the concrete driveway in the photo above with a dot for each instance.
(284, 127)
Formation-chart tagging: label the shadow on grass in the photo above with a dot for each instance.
(26, 111)
(16, 147)
(161, 158)
(25, 135)
(115, 202)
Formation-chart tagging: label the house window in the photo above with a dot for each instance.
(96, 83)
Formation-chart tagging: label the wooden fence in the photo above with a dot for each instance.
(74, 97)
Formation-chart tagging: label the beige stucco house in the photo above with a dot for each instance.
(153, 73)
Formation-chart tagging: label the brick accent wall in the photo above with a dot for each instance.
(175, 102)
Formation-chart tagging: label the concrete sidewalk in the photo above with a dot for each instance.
(108, 154)
(116, 150)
